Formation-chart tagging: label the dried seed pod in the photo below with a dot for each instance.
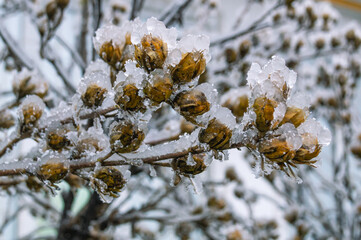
(57, 139)
(28, 83)
(294, 115)
(111, 53)
(309, 149)
(192, 104)
(335, 42)
(234, 235)
(31, 111)
(216, 203)
(232, 175)
(85, 145)
(62, 3)
(159, 88)
(125, 137)
(244, 48)
(231, 55)
(217, 135)
(320, 43)
(93, 96)
(190, 66)
(264, 109)
(128, 97)
(51, 9)
(52, 171)
(183, 165)
(356, 150)
(151, 53)
(112, 179)
(7, 120)
(276, 149)
(225, 217)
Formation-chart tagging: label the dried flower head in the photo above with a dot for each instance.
(151, 52)
(31, 111)
(192, 166)
(52, 171)
(192, 104)
(57, 139)
(29, 83)
(7, 120)
(217, 135)
(125, 137)
(294, 115)
(309, 149)
(111, 53)
(190, 66)
(62, 3)
(277, 150)
(127, 96)
(159, 88)
(94, 96)
(109, 181)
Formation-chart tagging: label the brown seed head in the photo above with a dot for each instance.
(129, 98)
(112, 178)
(126, 137)
(31, 114)
(93, 96)
(51, 9)
(110, 53)
(244, 48)
(309, 149)
(231, 55)
(57, 139)
(216, 135)
(190, 66)
(238, 107)
(52, 171)
(62, 3)
(28, 87)
(181, 164)
(216, 203)
(159, 88)
(151, 53)
(235, 235)
(192, 104)
(276, 149)
(7, 120)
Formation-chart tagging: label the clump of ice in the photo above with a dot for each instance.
(275, 71)
(291, 135)
(194, 43)
(313, 127)
(109, 33)
(155, 28)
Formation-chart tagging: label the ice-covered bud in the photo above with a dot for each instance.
(125, 136)
(264, 109)
(231, 55)
(151, 52)
(30, 111)
(217, 135)
(52, 169)
(190, 66)
(294, 115)
(95, 85)
(109, 181)
(191, 104)
(29, 83)
(110, 53)
(314, 136)
(56, 138)
(282, 145)
(192, 166)
(127, 96)
(216, 203)
(51, 9)
(7, 120)
(158, 87)
(93, 96)
(244, 48)
(88, 143)
(236, 100)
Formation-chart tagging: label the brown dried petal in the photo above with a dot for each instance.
(294, 115)
(264, 109)
(113, 180)
(309, 149)
(276, 150)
